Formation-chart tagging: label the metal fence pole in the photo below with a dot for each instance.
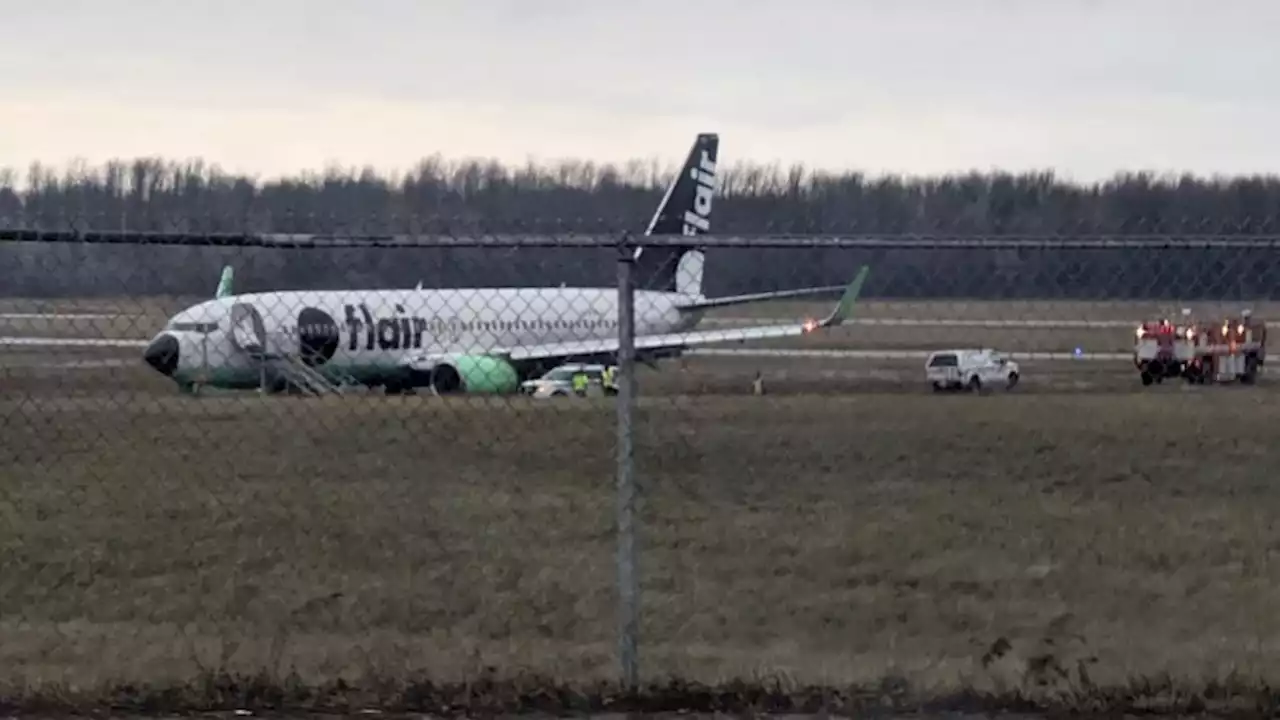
(628, 585)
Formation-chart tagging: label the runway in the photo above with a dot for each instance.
(879, 354)
(862, 354)
(943, 322)
(61, 316)
(737, 321)
(71, 342)
(898, 354)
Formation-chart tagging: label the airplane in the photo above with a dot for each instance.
(467, 340)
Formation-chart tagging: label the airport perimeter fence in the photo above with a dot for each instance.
(201, 474)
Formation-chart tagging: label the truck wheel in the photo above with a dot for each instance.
(1147, 379)
(1013, 381)
(975, 385)
(1250, 375)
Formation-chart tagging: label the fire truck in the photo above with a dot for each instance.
(1163, 350)
(1201, 352)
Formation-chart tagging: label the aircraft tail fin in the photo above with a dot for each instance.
(685, 210)
(225, 283)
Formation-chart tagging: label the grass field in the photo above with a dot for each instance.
(850, 527)
(837, 539)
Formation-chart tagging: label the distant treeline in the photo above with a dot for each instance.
(468, 197)
(155, 194)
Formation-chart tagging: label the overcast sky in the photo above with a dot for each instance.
(1086, 87)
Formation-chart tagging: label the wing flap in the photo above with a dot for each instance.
(669, 341)
(729, 300)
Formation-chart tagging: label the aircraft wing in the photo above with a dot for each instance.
(704, 303)
(684, 340)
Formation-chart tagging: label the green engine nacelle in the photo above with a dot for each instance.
(483, 374)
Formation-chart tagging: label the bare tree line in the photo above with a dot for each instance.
(476, 195)
(470, 196)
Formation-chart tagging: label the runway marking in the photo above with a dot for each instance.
(743, 321)
(900, 354)
(941, 322)
(735, 352)
(63, 316)
(71, 342)
(71, 365)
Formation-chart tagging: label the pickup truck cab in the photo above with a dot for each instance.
(970, 369)
(559, 381)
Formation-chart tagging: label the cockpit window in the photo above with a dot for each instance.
(199, 327)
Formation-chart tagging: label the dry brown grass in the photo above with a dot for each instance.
(954, 542)
(848, 529)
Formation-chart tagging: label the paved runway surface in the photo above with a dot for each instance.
(943, 322)
(706, 352)
(741, 322)
(71, 342)
(61, 316)
(731, 321)
(896, 354)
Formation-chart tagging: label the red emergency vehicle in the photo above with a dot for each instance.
(1162, 350)
(1232, 349)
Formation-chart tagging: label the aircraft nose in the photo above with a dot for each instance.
(162, 354)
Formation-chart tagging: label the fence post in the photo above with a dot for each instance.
(628, 585)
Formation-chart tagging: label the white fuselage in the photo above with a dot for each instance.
(367, 333)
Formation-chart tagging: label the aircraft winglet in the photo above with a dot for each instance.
(224, 282)
(847, 300)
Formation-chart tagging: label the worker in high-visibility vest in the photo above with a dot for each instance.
(610, 378)
(580, 383)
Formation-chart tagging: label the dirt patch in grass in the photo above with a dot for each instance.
(954, 544)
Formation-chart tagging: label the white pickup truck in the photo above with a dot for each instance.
(970, 369)
(559, 381)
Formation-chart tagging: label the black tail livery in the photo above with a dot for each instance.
(684, 210)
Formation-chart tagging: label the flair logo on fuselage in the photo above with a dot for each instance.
(398, 332)
(699, 218)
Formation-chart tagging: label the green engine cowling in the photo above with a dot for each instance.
(482, 374)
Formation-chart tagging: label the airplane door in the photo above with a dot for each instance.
(247, 330)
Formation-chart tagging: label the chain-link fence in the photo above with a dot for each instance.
(390, 458)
